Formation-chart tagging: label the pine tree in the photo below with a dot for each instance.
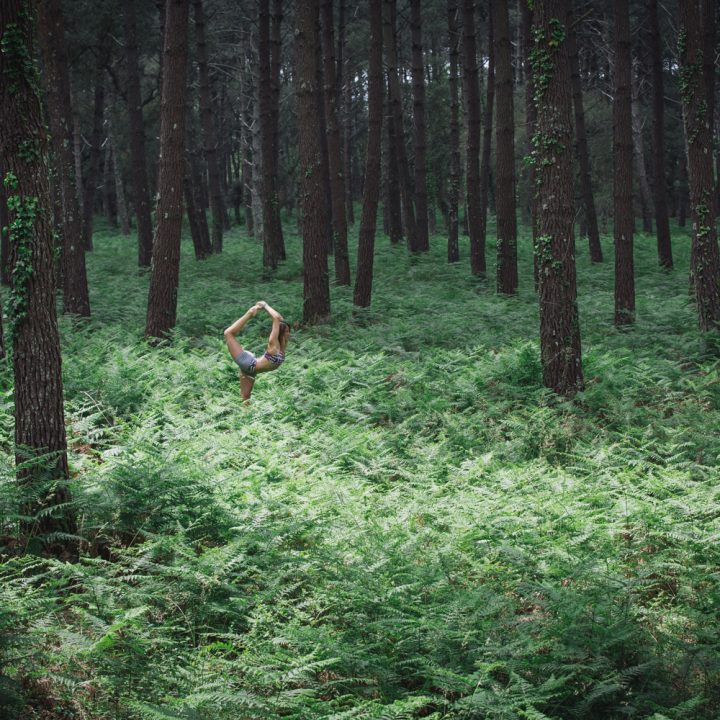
(453, 252)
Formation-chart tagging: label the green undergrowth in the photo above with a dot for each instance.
(403, 523)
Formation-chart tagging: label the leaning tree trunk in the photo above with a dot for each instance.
(453, 252)
(51, 31)
(40, 440)
(136, 124)
(366, 241)
(209, 131)
(704, 257)
(581, 146)
(662, 224)
(507, 272)
(316, 292)
(472, 156)
(559, 325)
(335, 166)
(418, 82)
(268, 197)
(623, 162)
(406, 189)
(96, 138)
(162, 298)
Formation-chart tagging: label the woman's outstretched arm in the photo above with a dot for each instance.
(276, 318)
(233, 345)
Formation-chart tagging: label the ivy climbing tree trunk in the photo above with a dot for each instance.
(453, 251)
(162, 298)
(335, 160)
(505, 206)
(51, 34)
(581, 145)
(662, 224)
(209, 131)
(704, 257)
(559, 325)
(40, 440)
(366, 241)
(472, 154)
(622, 174)
(316, 291)
(136, 124)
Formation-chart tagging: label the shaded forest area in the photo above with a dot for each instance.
(483, 484)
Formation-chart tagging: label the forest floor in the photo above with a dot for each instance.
(402, 523)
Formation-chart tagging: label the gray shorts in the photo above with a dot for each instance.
(246, 360)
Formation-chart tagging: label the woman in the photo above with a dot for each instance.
(274, 355)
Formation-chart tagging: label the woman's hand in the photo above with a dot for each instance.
(261, 304)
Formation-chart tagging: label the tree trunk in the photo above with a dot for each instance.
(366, 241)
(122, 210)
(662, 225)
(347, 148)
(209, 131)
(392, 176)
(473, 214)
(136, 124)
(51, 31)
(96, 141)
(418, 81)
(40, 441)
(453, 251)
(531, 124)
(559, 324)
(322, 129)
(275, 58)
(77, 153)
(270, 211)
(162, 298)
(581, 146)
(682, 188)
(391, 59)
(316, 293)
(623, 160)
(335, 167)
(109, 199)
(639, 155)
(694, 85)
(507, 273)
(487, 138)
(5, 270)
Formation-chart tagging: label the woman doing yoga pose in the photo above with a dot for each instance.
(274, 355)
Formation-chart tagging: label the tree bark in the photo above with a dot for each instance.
(335, 160)
(51, 32)
(639, 155)
(694, 86)
(453, 251)
(40, 440)
(5, 270)
(662, 224)
(581, 146)
(559, 324)
(347, 147)
(682, 188)
(406, 189)
(366, 241)
(316, 292)
(138, 157)
(392, 176)
(473, 214)
(162, 298)
(622, 176)
(276, 18)
(209, 131)
(96, 139)
(487, 138)
(269, 198)
(418, 81)
(507, 273)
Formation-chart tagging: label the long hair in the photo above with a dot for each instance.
(283, 335)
